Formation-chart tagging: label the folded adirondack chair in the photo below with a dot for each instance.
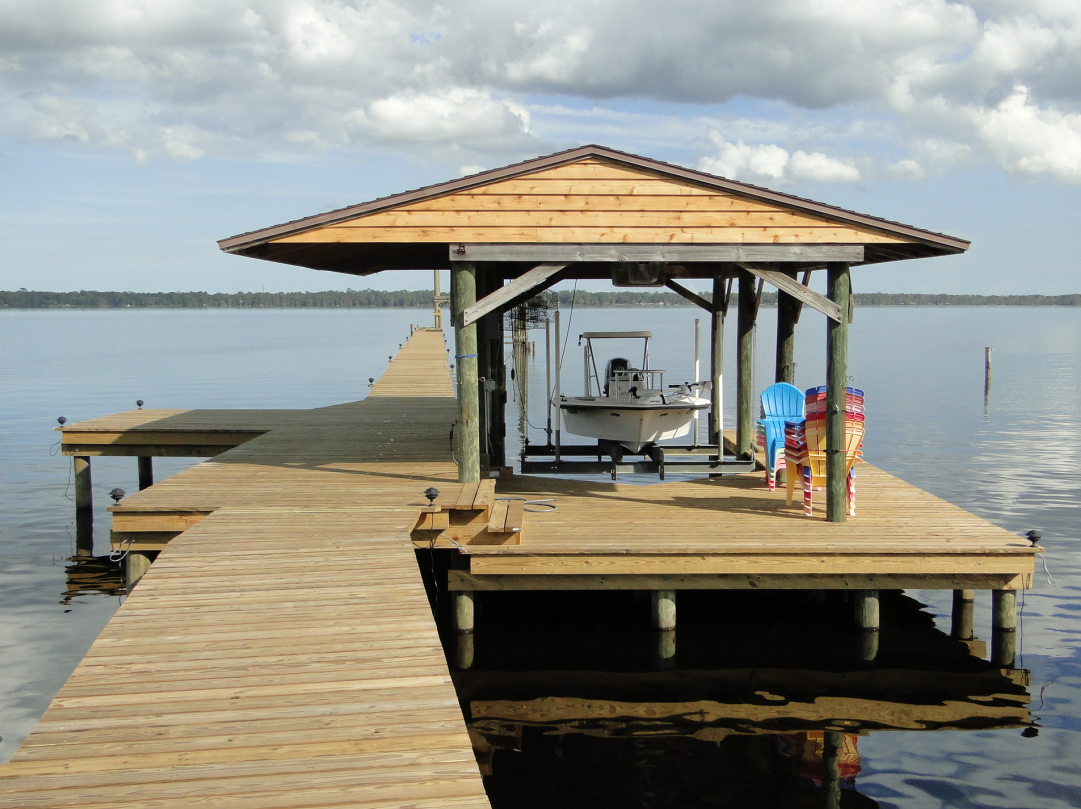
(781, 402)
(805, 448)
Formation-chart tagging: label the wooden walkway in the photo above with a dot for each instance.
(282, 652)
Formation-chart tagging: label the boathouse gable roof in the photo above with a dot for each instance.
(588, 195)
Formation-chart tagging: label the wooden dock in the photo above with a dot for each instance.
(281, 650)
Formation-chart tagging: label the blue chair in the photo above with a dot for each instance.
(781, 402)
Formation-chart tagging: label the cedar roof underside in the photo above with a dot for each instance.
(590, 201)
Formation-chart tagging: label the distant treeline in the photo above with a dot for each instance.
(370, 298)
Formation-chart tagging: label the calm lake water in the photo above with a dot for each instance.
(1014, 459)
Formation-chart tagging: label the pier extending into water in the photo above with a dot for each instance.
(278, 647)
(281, 650)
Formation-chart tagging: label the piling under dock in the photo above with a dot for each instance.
(281, 650)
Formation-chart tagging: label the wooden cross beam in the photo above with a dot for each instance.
(521, 288)
(697, 300)
(797, 290)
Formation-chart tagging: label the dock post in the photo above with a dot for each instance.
(963, 614)
(463, 295)
(1003, 628)
(662, 605)
(463, 611)
(716, 365)
(498, 362)
(464, 649)
(745, 365)
(485, 380)
(839, 289)
(84, 495)
(84, 533)
(146, 472)
(462, 605)
(664, 650)
(787, 308)
(866, 609)
(138, 563)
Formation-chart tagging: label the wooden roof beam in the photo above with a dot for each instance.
(567, 253)
(521, 288)
(796, 290)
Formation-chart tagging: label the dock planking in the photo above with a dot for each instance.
(281, 650)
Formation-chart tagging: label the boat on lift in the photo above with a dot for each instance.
(630, 406)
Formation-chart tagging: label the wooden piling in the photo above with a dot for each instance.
(464, 295)
(146, 472)
(664, 650)
(464, 650)
(84, 495)
(865, 608)
(867, 645)
(1003, 628)
(787, 309)
(484, 373)
(498, 369)
(137, 563)
(963, 614)
(716, 363)
(662, 605)
(463, 611)
(84, 533)
(745, 365)
(839, 285)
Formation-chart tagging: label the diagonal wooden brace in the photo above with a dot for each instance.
(521, 288)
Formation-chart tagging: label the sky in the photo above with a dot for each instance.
(136, 133)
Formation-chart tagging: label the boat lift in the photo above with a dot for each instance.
(612, 457)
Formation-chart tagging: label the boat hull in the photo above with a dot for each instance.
(631, 427)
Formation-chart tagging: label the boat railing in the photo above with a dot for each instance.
(637, 380)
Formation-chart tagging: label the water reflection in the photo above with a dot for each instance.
(93, 575)
(571, 698)
(87, 574)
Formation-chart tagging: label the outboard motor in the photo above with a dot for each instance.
(614, 364)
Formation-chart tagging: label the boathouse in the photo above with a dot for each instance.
(281, 649)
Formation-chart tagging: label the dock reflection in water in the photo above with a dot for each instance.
(87, 574)
(572, 699)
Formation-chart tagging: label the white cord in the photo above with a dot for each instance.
(544, 505)
(1047, 572)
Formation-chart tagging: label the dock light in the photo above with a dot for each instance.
(431, 493)
(117, 494)
(371, 380)
(139, 403)
(61, 421)
(1034, 536)
(390, 359)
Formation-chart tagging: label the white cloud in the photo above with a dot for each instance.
(771, 162)
(818, 167)
(180, 79)
(1029, 140)
(454, 115)
(906, 170)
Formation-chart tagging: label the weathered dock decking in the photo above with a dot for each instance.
(281, 650)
